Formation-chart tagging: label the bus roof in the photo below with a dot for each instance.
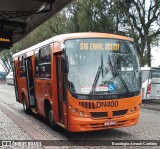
(91, 35)
(64, 37)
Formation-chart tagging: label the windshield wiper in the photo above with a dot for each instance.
(100, 70)
(115, 70)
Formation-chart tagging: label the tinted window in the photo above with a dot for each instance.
(19, 61)
(21, 65)
(36, 64)
(45, 62)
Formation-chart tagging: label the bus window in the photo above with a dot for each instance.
(21, 64)
(36, 63)
(45, 62)
(91, 63)
(19, 61)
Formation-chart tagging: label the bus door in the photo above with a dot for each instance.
(61, 92)
(15, 80)
(30, 82)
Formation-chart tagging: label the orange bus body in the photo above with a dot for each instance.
(42, 87)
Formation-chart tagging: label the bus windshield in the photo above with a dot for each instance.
(102, 66)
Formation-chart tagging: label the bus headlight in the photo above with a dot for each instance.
(81, 113)
(139, 105)
(86, 115)
(134, 109)
(74, 110)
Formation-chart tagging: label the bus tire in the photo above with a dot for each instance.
(25, 107)
(52, 123)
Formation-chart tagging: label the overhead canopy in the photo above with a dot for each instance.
(19, 17)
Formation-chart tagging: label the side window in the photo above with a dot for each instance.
(36, 63)
(45, 62)
(19, 61)
(21, 65)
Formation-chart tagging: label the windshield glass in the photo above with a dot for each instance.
(102, 66)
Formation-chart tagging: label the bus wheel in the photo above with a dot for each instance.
(25, 107)
(51, 119)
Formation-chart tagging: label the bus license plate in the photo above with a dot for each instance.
(110, 123)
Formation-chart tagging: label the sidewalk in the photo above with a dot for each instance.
(152, 106)
(14, 128)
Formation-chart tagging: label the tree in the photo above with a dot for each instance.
(6, 60)
(92, 15)
(60, 23)
(142, 20)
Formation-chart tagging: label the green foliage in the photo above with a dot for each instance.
(6, 60)
(92, 15)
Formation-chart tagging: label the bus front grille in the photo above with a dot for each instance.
(98, 114)
(105, 114)
(119, 112)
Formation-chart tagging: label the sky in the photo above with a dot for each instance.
(1, 68)
(155, 52)
(156, 57)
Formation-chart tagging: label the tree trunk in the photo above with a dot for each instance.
(142, 47)
(148, 52)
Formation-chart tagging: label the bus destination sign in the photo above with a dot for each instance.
(99, 46)
(6, 40)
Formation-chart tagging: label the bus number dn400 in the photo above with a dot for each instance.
(106, 104)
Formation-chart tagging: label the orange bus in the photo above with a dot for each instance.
(80, 81)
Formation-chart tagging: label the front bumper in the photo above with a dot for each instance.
(89, 124)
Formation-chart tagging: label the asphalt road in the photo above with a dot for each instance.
(12, 120)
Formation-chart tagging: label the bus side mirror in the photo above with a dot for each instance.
(64, 63)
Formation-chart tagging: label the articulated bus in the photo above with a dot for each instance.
(81, 81)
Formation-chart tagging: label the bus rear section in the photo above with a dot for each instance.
(150, 83)
(81, 81)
